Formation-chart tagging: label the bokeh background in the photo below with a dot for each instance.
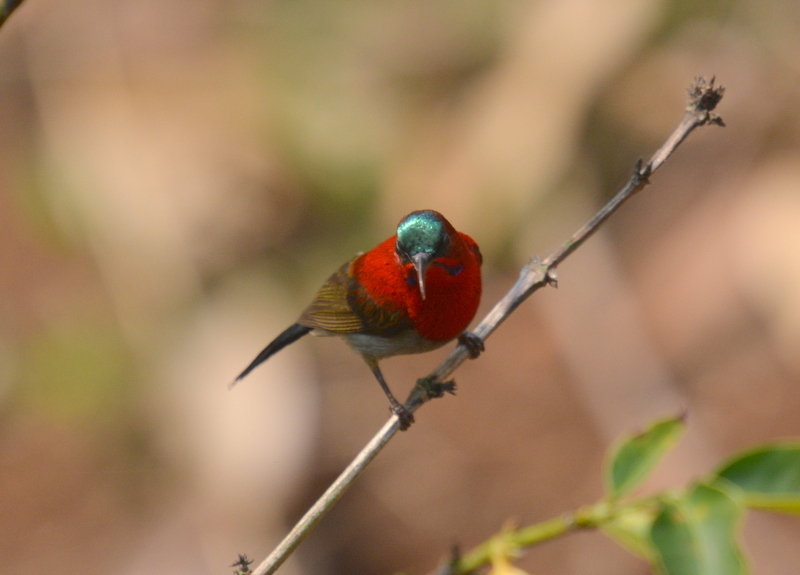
(177, 177)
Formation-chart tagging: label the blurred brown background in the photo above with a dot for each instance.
(178, 177)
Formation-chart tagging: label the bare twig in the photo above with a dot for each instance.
(6, 8)
(703, 98)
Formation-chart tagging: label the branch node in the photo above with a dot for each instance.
(434, 389)
(716, 120)
(642, 172)
(473, 343)
(242, 565)
(552, 278)
(537, 268)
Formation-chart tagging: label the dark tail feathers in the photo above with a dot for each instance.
(289, 335)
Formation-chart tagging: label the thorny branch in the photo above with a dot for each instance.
(703, 98)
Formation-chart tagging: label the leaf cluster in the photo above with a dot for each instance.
(694, 530)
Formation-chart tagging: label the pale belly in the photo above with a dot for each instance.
(379, 347)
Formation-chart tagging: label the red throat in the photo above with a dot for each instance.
(453, 286)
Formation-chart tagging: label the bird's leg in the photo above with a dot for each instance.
(406, 417)
(472, 342)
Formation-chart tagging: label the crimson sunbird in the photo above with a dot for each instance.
(412, 293)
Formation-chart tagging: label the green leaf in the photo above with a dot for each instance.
(769, 476)
(674, 540)
(630, 527)
(697, 534)
(634, 457)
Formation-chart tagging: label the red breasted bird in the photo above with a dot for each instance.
(412, 293)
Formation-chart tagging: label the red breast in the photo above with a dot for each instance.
(453, 286)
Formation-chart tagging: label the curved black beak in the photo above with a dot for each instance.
(421, 261)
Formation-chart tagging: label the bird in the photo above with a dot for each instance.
(412, 293)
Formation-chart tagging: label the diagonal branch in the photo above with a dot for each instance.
(703, 98)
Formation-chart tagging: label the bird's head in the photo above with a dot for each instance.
(422, 237)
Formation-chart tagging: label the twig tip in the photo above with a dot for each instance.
(704, 95)
(242, 565)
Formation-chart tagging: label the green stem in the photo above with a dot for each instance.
(514, 540)
(511, 541)
(539, 532)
